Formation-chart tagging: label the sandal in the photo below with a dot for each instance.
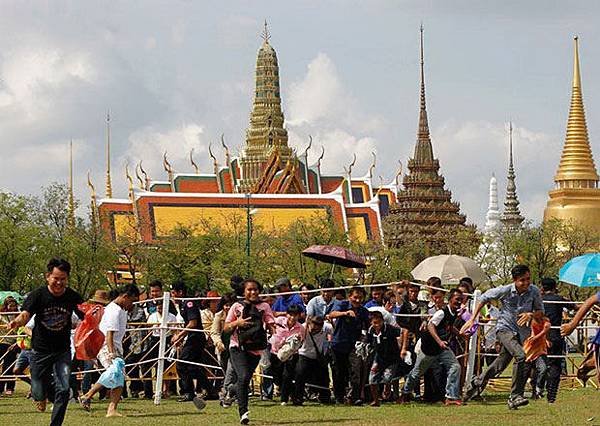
(85, 403)
(40, 405)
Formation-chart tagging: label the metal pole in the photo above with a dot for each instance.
(472, 344)
(162, 345)
(248, 230)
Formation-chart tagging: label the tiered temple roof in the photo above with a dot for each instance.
(424, 208)
(511, 216)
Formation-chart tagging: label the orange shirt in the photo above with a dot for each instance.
(535, 349)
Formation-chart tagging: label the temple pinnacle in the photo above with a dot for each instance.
(576, 168)
(511, 217)
(423, 149)
(492, 218)
(108, 180)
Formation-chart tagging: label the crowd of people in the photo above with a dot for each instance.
(399, 343)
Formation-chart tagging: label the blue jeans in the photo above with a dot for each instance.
(447, 360)
(44, 368)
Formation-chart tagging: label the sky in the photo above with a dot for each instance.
(175, 75)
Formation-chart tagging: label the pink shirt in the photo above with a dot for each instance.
(235, 313)
(282, 332)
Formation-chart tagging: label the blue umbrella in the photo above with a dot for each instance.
(582, 271)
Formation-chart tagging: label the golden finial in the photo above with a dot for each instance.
(265, 35)
(167, 167)
(138, 177)
(576, 168)
(129, 180)
(71, 213)
(194, 165)
(372, 165)
(146, 178)
(93, 203)
(352, 164)
(215, 162)
(398, 173)
(310, 140)
(227, 158)
(108, 179)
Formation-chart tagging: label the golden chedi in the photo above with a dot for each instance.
(576, 196)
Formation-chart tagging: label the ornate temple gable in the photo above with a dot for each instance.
(271, 168)
(290, 181)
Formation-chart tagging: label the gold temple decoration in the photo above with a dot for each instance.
(93, 203)
(142, 183)
(215, 167)
(168, 168)
(71, 212)
(373, 164)
(266, 133)
(576, 196)
(146, 178)
(194, 165)
(424, 209)
(576, 168)
(108, 180)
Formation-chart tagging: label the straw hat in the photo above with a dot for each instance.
(100, 296)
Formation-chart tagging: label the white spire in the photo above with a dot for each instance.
(492, 218)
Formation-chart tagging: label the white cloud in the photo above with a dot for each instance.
(149, 144)
(32, 75)
(321, 106)
(471, 151)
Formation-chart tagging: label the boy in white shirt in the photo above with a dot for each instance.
(114, 326)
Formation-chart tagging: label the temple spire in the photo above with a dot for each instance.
(266, 135)
(511, 217)
(71, 210)
(492, 218)
(576, 168)
(423, 148)
(108, 180)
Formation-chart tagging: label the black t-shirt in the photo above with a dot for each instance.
(189, 311)
(52, 330)
(386, 347)
(554, 312)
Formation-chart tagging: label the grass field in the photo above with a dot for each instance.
(576, 407)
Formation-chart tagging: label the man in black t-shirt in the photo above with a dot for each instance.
(192, 345)
(53, 306)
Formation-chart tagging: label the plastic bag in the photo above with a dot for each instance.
(289, 348)
(88, 337)
(114, 376)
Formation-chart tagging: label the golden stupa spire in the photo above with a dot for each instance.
(108, 182)
(71, 212)
(576, 168)
(93, 203)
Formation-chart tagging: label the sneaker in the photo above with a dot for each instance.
(283, 403)
(185, 398)
(225, 402)
(475, 389)
(245, 419)
(199, 402)
(449, 402)
(516, 402)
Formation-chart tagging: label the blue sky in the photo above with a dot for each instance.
(177, 74)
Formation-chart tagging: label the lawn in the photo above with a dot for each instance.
(574, 407)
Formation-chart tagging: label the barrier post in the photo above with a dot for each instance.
(160, 368)
(472, 344)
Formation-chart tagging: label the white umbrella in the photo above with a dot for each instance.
(450, 268)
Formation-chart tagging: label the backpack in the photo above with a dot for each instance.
(253, 337)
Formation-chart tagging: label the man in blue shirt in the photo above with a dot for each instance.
(283, 302)
(519, 301)
(319, 306)
(351, 324)
(376, 297)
